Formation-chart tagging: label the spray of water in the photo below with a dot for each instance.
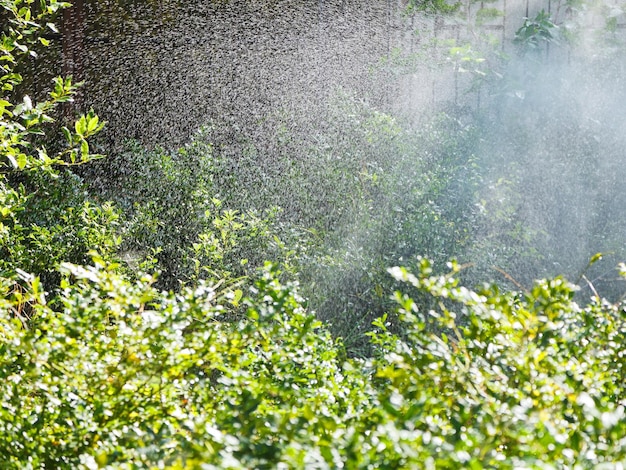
(521, 176)
(552, 154)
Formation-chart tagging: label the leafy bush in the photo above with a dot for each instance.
(171, 213)
(416, 197)
(53, 220)
(118, 374)
(549, 156)
(123, 374)
(335, 208)
(45, 215)
(516, 380)
(535, 32)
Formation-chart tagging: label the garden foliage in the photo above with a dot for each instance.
(102, 368)
(116, 374)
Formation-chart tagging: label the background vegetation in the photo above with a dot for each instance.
(141, 325)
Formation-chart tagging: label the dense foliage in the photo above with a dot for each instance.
(101, 367)
(335, 209)
(116, 374)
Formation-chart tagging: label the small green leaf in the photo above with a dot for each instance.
(24, 12)
(596, 257)
(68, 135)
(84, 150)
(81, 126)
(3, 105)
(92, 125)
(21, 161)
(237, 295)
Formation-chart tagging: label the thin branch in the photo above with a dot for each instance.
(510, 278)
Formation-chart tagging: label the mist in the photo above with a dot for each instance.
(552, 150)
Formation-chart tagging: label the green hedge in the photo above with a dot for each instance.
(120, 375)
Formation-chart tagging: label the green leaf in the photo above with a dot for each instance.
(595, 258)
(67, 134)
(236, 297)
(92, 124)
(84, 150)
(3, 105)
(80, 126)
(24, 12)
(21, 161)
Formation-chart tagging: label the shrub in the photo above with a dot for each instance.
(171, 212)
(45, 214)
(122, 375)
(527, 380)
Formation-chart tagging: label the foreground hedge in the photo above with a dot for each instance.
(114, 374)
